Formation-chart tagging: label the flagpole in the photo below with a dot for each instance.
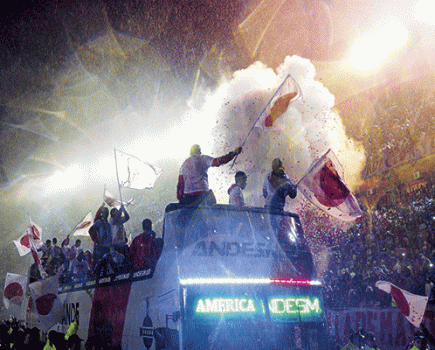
(265, 107)
(117, 177)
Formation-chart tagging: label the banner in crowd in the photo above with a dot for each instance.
(15, 288)
(413, 306)
(390, 327)
(47, 304)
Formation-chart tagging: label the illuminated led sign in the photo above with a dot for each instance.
(295, 306)
(225, 306)
(300, 306)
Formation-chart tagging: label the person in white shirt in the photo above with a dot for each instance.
(236, 190)
(192, 187)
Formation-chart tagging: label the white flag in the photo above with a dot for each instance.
(412, 306)
(82, 229)
(15, 288)
(33, 232)
(48, 305)
(112, 202)
(135, 173)
(324, 186)
(288, 92)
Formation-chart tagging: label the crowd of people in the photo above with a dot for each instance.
(14, 335)
(422, 339)
(395, 243)
(112, 252)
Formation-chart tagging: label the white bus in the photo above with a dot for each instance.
(227, 278)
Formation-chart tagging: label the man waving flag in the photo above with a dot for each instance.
(323, 185)
(286, 93)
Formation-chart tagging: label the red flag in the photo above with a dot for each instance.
(48, 305)
(323, 185)
(412, 306)
(287, 92)
(34, 233)
(15, 287)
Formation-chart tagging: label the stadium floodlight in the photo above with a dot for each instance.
(369, 52)
(424, 11)
(64, 179)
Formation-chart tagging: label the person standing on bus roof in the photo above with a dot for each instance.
(236, 190)
(101, 234)
(75, 249)
(140, 252)
(117, 220)
(192, 187)
(276, 179)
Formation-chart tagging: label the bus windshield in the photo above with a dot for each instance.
(223, 240)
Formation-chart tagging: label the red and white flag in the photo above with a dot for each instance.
(33, 234)
(323, 185)
(82, 228)
(134, 172)
(412, 306)
(15, 287)
(48, 305)
(112, 202)
(288, 92)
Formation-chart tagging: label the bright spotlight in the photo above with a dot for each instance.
(64, 179)
(424, 11)
(371, 51)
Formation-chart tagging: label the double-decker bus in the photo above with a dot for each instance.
(227, 278)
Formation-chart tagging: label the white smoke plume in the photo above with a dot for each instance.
(307, 130)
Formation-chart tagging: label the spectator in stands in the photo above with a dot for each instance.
(141, 253)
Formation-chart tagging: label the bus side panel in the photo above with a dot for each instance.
(80, 301)
(152, 305)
